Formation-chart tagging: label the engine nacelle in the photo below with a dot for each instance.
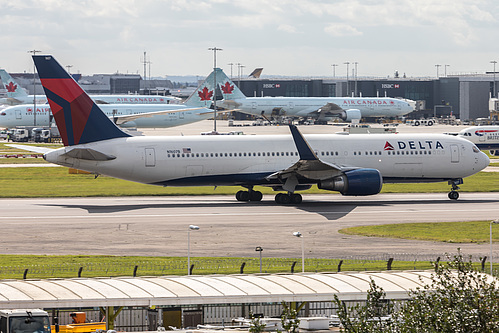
(355, 182)
(494, 152)
(351, 114)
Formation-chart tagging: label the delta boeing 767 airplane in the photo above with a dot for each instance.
(350, 164)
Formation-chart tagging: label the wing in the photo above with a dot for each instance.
(329, 109)
(118, 120)
(310, 169)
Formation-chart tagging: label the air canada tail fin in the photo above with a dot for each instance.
(78, 118)
(203, 95)
(229, 90)
(14, 90)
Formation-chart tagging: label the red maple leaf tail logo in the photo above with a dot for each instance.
(11, 87)
(205, 94)
(227, 88)
(388, 146)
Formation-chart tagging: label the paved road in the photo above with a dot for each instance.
(158, 225)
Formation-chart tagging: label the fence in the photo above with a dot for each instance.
(203, 266)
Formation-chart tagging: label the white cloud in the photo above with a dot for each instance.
(341, 30)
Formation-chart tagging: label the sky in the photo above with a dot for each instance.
(285, 37)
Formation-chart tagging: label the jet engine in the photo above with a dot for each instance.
(351, 114)
(355, 182)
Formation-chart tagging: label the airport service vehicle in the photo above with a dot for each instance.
(484, 137)
(320, 108)
(350, 164)
(24, 321)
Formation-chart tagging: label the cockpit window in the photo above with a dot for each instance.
(475, 149)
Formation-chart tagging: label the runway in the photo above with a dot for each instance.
(159, 225)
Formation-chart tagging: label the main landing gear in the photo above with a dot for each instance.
(280, 198)
(453, 194)
(288, 198)
(249, 195)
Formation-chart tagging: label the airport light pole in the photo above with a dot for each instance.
(490, 234)
(260, 250)
(348, 90)
(445, 70)
(231, 64)
(299, 235)
(437, 66)
(34, 52)
(215, 49)
(334, 69)
(191, 227)
(494, 91)
(356, 63)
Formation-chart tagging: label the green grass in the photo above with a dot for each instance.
(14, 266)
(57, 182)
(449, 232)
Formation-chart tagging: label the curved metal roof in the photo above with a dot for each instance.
(213, 289)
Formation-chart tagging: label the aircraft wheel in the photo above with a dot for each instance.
(296, 198)
(242, 196)
(256, 196)
(453, 195)
(416, 123)
(282, 198)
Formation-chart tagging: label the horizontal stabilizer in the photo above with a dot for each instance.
(88, 154)
(34, 149)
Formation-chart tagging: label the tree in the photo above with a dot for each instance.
(289, 320)
(458, 299)
(256, 325)
(371, 317)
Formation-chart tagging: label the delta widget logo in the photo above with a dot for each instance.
(388, 146)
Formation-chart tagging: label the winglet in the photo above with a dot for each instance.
(306, 153)
(78, 118)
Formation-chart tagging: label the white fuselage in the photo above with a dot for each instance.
(249, 159)
(22, 115)
(306, 106)
(135, 99)
(484, 137)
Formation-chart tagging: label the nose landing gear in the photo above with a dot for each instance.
(453, 194)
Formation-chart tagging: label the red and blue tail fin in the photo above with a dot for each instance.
(78, 118)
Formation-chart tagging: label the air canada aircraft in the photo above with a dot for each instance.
(347, 108)
(350, 164)
(195, 108)
(16, 95)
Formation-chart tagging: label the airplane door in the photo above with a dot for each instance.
(180, 115)
(150, 157)
(291, 105)
(19, 114)
(253, 105)
(481, 138)
(454, 153)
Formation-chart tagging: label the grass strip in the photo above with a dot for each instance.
(14, 266)
(58, 182)
(448, 232)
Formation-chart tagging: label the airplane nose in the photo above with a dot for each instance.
(483, 161)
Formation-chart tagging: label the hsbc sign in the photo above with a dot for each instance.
(271, 85)
(390, 86)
